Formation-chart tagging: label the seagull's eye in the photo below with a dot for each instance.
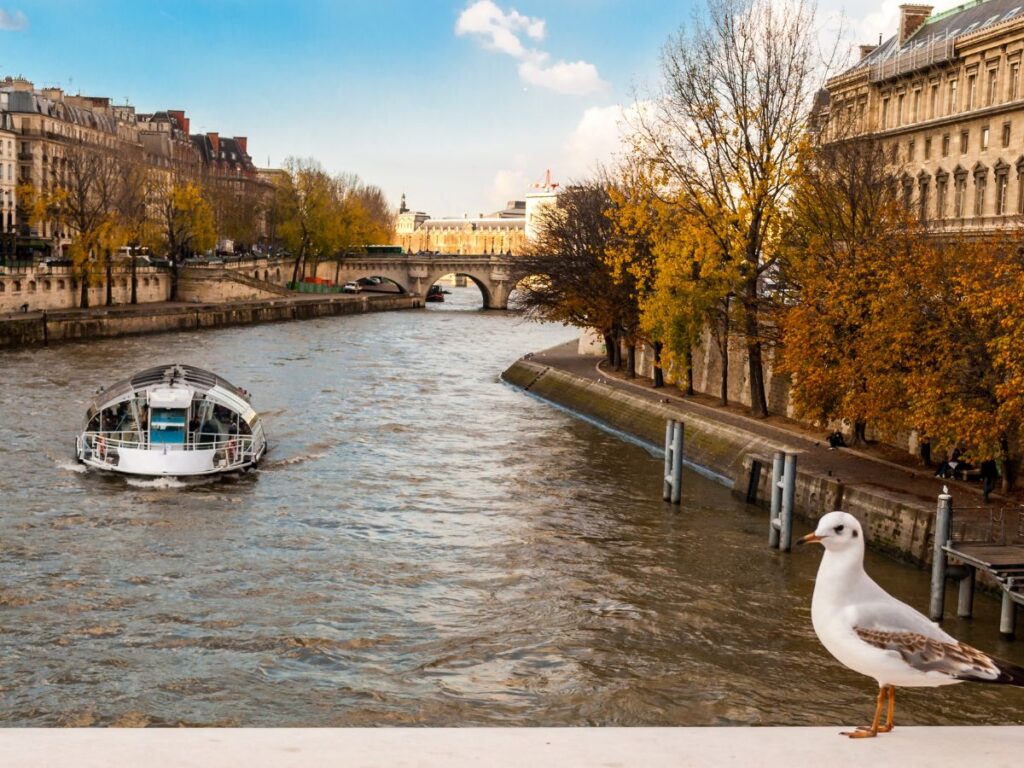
(838, 529)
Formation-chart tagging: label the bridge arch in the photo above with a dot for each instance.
(479, 281)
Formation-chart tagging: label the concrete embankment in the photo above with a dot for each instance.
(99, 323)
(897, 522)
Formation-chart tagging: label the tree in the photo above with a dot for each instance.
(726, 132)
(844, 223)
(87, 191)
(186, 224)
(308, 216)
(567, 277)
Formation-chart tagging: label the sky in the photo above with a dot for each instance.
(458, 104)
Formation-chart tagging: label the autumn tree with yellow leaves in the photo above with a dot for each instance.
(725, 132)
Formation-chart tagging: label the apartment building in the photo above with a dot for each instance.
(945, 91)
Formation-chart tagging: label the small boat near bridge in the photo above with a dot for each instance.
(173, 420)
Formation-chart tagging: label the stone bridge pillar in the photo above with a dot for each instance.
(500, 284)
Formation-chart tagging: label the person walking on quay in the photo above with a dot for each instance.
(989, 474)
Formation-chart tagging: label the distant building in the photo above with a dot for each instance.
(501, 232)
(8, 183)
(507, 231)
(945, 92)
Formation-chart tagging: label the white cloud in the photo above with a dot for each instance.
(12, 21)
(509, 184)
(498, 29)
(503, 31)
(577, 77)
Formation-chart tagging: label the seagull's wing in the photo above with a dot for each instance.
(896, 627)
(955, 660)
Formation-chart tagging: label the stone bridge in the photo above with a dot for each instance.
(415, 273)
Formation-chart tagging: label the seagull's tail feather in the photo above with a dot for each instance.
(1008, 674)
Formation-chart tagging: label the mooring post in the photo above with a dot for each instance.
(1008, 614)
(776, 509)
(943, 515)
(788, 497)
(666, 493)
(677, 463)
(965, 598)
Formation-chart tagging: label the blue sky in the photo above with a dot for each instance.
(458, 104)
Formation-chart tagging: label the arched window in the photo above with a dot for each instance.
(3, 287)
(145, 282)
(156, 282)
(17, 286)
(46, 285)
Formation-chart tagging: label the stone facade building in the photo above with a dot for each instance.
(501, 232)
(946, 92)
(8, 185)
(40, 123)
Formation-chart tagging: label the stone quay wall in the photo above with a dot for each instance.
(72, 325)
(54, 288)
(895, 523)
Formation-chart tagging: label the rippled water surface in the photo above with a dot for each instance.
(424, 545)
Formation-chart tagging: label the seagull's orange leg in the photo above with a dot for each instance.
(868, 733)
(889, 724)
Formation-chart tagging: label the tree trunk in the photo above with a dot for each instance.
(109, 268)
(617, 360)
(631, 361)
(1009, 471)
(609, 348)
(860, 429)
(84, 300)
(689, 371)
(337, 270)
(758, 401)
(659, 375)
(295, 271)
(135, 279)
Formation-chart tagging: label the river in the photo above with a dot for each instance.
(424, 545)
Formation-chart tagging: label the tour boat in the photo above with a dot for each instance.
(435, 293)
(173, 420)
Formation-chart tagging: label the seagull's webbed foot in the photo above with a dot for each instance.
(869, 732)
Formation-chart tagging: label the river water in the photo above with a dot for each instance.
(424, 545)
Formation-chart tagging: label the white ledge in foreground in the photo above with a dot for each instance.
(988, 746)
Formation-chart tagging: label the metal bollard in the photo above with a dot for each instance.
(965, 598)
(943, 515)
(677, 463)
(788, 497)
(1008, 615)
(776, 508)
(666, 492)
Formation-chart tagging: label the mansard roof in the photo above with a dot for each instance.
(965, 19)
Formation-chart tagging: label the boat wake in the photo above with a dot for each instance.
(289, 461)
(71, 466)
(156, 482)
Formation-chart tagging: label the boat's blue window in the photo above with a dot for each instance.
(167, 426)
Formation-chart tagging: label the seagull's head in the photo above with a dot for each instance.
(837, 531)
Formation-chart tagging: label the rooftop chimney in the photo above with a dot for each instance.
(243, 144)
(179, 115)
(214, 142)
(911, 19)
(867, 50)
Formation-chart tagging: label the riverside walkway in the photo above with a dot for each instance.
(989, 746)
(872, 467)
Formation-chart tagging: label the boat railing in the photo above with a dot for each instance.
(230, 450)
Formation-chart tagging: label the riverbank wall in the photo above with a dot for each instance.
(37, 328)
(895, 522)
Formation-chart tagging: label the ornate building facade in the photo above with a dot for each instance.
(945, 92)
(38, 124)
(502, 232)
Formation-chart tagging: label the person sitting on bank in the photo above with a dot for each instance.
(836, 440)
(950, 468)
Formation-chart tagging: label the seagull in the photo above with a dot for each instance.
(873, 633)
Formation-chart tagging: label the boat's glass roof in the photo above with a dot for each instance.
(177, 373)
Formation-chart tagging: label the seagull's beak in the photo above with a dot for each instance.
(810, 538)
